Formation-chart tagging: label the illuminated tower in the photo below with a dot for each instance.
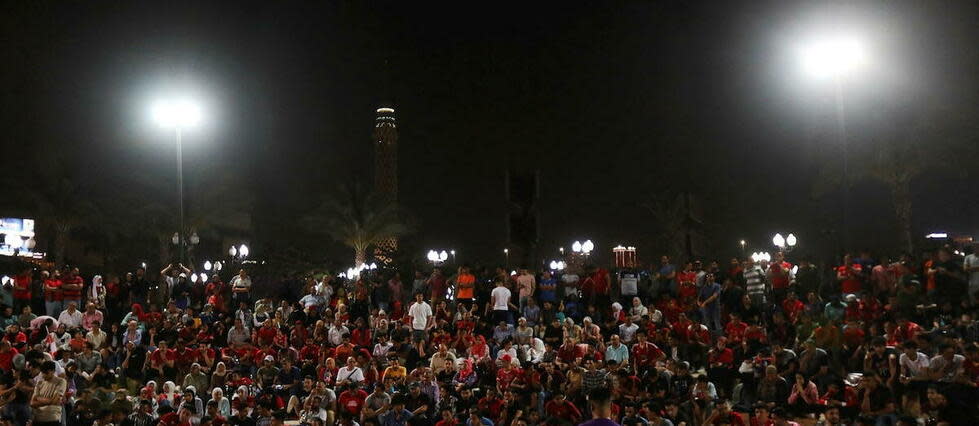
(386, 170)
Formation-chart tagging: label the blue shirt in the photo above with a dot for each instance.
(709, 290)
(394, 418)
(483, 420)
(620, 355)
(548, 295)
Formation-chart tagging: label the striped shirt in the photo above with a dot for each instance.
(754, 279)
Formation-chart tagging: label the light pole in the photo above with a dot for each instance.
(836, 58)
(177, 115)
(785, 244)
(453, 253)
(743, 243)
(506, 254)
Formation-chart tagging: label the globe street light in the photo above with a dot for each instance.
(177, 115)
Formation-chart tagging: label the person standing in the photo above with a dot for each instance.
(71, 287)
(48, 397)
(526, 284)
(972, 268)
(421, 318)
(500, 303)
(22, 289)
(241, 286)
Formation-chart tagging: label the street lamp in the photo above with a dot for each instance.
(785, 243)
(743, 243)
(178, 114)
(506, 254)
(836, 58)
(437, 257)
(453, 253)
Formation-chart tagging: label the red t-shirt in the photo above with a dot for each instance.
(352, 401)
(851, 282)
(7, 359)
(22, 287)
(160, 356)
(565, 410)
(735, 331)
(780, 274)
(646, 353)
(52, 295)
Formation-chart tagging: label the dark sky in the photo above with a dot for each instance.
(613, 102)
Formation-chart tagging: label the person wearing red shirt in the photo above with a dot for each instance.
(720, 364)
(853, 334)
(644, 353)
(870, 309)
(7, 354)
(71, 287)
(22, 289)
(361, 335)
(849, 276)
(162, 362)
(569, 352)
(561, 408)
(184, 357)
(53, 298)
(735, 329)
(352, 400)
(507, 374)
(906, 330)
(681, 328)
(266, 334)
(792, 307)
(780, 276)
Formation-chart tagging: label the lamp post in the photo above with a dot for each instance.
(453, 253)
(743, 244)
(836, 58)
(178, 115)
(437, 257)
(785, 244)
(506, 255)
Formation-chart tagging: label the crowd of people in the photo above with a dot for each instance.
(873, 341)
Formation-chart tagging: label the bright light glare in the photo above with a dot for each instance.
(176, 113)
(833, 57)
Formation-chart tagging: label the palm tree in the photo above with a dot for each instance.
(678, 226)
(357, 218)
(57, 200)
(909, 143)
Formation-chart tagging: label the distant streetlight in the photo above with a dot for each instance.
(836, 58)
(743, 243)
(208, 265)
(506, 254)
(453, 253)
(177, 115)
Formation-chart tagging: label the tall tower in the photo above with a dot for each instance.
(386, 170)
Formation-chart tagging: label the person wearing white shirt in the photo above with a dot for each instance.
(71, 317)
(422, 318)
(241, 286)
(350, 373)
(971, 267)
(501, 303)
(336, 332)
(914, 364)
(627, 330)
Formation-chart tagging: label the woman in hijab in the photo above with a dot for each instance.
(242, 400)
(220, 375)
(171, 395)
(96, 292)
(466, 377)
(136, 314)
(224, 406)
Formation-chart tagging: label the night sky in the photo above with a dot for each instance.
(613, 103)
